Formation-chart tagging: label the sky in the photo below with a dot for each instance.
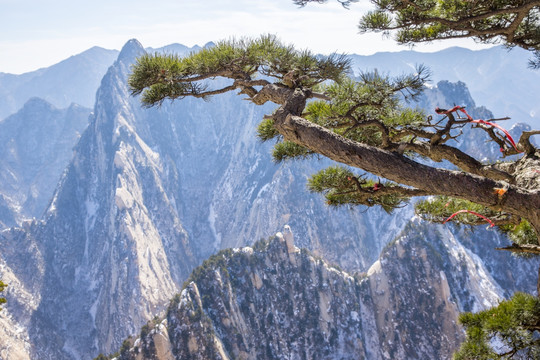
(40, 33)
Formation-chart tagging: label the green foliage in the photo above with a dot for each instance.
(368, 111)
(341, 186)
(510, 330)
(370, 108)
(145, 330)
(214, 262)
(101, 357)
(514, 22)
(2, 288)
(440, 208)
(262, 244)
(288, 150)
(266, 130)
(158, 77)
(126, 345)
(522, 233)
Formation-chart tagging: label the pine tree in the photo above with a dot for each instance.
(362, 124)
(365, 125)
(511, 329)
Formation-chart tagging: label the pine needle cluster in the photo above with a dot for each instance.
(159, 76)
(513, 23)
(439, 209)
(510, 330)
(340, 186)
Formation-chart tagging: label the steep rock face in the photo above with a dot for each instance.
(275, 301)
(22, 268)
(113, 245)
(151, 193)
(35, 147)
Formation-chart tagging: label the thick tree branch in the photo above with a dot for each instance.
(320, 96)
(402, 170)
(524, 143)
(401, 191)
(273, 93)
(205, 94)
(460, 159)
(515, 23)
(520, 11)
(392, 129)
(525, 248)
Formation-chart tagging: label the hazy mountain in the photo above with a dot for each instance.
(147, 196)
(35, 147)
(73, 80)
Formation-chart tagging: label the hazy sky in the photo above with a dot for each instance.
(39, 33)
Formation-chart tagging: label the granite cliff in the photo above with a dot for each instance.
(276, 301)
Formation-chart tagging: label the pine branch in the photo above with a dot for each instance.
(525, 248)
(515, 23)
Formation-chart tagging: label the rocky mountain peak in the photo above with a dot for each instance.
(130, 51)
(457, 92)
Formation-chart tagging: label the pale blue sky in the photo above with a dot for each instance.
(39, 33)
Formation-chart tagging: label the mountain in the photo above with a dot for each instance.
(35, 147)
(151, 193)
(148, 195)
(497, 78)
(178, 49)
(276, 301)
(73, 80)
(492, 75)
(113, 245)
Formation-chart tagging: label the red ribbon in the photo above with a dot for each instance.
(470, 212)
(469, 117)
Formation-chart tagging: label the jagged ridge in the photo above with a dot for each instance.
(275, 301)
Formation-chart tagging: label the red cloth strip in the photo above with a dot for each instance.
(470, 212)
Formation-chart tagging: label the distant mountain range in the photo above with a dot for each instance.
(74, 80)
(497, 78)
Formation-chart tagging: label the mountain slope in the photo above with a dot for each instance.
(148, 195)
(275, 301)
(35, 146)
(113, 248)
